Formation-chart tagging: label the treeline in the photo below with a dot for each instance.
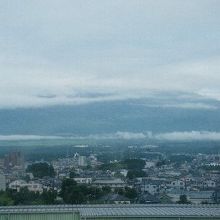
(134, 164)
(40, 170)
(26, 197)
(134, 167)
(71, 193)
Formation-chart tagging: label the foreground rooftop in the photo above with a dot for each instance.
(121, 210)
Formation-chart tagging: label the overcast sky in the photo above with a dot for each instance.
(72, 52)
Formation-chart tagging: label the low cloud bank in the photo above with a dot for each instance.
(19, 137)
(169, 136)
(189, 136)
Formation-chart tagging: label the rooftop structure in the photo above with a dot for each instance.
(119, 211)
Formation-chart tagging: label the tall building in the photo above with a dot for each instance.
(82, 161)
(14, 159)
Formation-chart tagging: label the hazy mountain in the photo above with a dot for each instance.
(109, 117)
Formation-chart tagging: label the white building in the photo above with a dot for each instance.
(31, 186)
(124, 172)
(150, 164)
(82, 180)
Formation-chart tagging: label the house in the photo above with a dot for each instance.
(124, 172)
(200, 197)
(209, 184)
(217, 195)
(17, 184)
(174, 194)
(195, 197)
(150, 187)
(111, 182)
(31, 186)
(147, 198)
(177, 184)
(83, 180)
(114, 198)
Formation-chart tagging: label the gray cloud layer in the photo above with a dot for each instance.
(52, 51)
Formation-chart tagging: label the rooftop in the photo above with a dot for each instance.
(121, 210)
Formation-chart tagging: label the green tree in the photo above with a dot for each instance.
(135, 173)
(106, 189)
(134, 164)
(5, 199)
(183, 200)
(49, 197)
(72, 174)
(41, 169)
(71, 192)
(130, 193)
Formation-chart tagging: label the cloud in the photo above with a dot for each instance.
(189, 136)
(192, 106)
(210, 93)
(52, 51)
(130, 135)
(117, 135)
(125, 135)
(27, 137)
(189, 106)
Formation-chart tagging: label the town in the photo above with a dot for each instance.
(104, 175)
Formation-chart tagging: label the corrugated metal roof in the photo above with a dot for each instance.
(120, 210)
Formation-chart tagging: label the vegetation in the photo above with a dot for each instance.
(132, 174)
(183, 200)
(128, 192)
(73, 174)
(73, 193)
(130, 164)
(5, 199)
(134, 167)
(25, 197)
(41, 170)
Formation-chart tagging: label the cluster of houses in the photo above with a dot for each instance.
(163, 184)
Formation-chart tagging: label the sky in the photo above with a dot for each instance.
(74, 52)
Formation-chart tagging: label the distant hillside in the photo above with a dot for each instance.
(106, 117)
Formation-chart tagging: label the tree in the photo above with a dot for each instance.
(134, 164)
(130, 193)
(49, 197)
(183, 200)
(71, 192)
(106, 189)
(135, 173)
(41, 169)
(5, 199)
(72, 174)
